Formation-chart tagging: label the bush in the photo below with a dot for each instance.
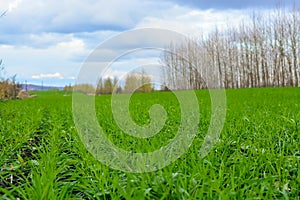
(9, 89)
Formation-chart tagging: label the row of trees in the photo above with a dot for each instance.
(134, 82)
(263, 53)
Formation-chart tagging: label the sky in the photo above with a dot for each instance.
(49, 40)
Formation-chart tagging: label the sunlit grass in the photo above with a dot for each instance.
(257, 157)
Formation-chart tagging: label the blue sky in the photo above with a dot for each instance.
(48, 40)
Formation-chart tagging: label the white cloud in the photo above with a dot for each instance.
(13, 5)
(56, 75)
(47, 37)
(72, 16)
(111, 73)
(195, 22)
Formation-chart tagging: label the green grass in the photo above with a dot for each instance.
(257, 157)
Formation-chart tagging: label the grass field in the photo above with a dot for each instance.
(257, 157)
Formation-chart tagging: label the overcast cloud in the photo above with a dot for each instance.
(235, 4)
(48, 40)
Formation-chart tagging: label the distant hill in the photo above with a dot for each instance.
(39, 87)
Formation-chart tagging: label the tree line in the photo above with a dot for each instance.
(134, 82)
(263, 53)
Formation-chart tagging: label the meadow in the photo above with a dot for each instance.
(257, 156)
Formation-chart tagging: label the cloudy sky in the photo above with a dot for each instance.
(48, 40)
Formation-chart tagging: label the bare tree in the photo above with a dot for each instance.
(261, 54)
